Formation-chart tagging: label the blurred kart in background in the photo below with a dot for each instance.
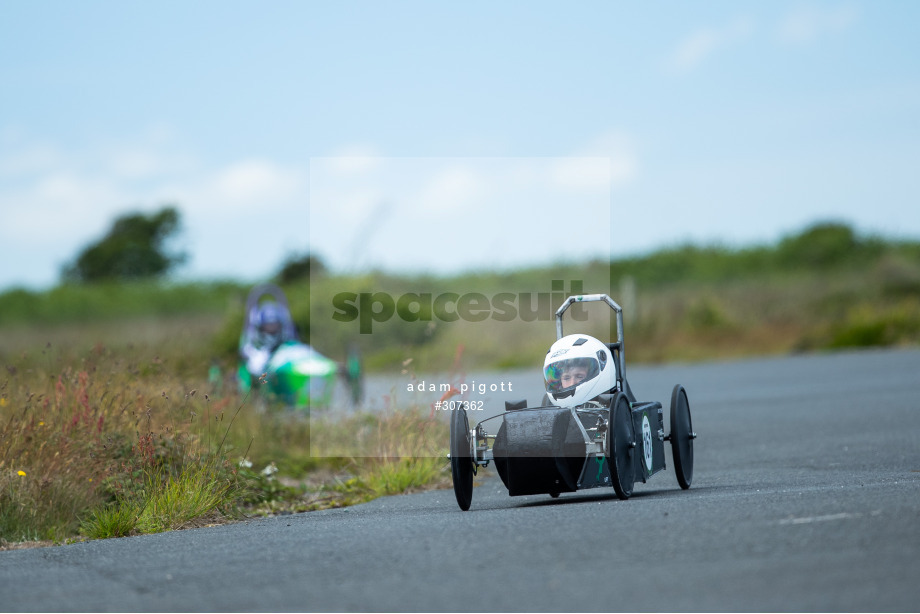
(276, 362)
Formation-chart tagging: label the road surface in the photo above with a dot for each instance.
(806, 497)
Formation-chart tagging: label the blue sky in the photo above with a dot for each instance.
(470, 132)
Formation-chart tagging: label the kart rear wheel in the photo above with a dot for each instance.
(461, 463)
(681, 437)
(621, 446)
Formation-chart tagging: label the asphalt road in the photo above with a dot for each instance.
(806, 497)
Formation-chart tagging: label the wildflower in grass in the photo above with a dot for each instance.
(21, 472)
(2, 402)
(270, 470)
(245, 463)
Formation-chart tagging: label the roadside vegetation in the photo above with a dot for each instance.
(127, 439)
(824, 288)
(112, 422)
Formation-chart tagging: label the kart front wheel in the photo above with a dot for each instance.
(621, 446)
(461, 463)
(682, 437)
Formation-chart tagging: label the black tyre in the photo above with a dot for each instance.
(681, 437)
(621, 446)
(461, 463)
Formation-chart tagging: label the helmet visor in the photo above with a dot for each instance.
(565, 375)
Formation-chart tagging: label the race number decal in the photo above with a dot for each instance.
(647, 442)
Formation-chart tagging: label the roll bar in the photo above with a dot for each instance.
(587, 298)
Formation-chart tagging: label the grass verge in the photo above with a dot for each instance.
(113, 442)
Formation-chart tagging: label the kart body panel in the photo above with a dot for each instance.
(297, 375)
(542, 450)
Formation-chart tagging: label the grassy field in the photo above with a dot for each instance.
(115, 429)
(111, 425)
(822, 289)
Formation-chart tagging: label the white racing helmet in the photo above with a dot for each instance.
(577, 369)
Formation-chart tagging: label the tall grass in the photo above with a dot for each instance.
(165, 502)
(109, 442)
(79, 434)
(397, 452)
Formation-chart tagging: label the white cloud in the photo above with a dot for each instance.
(33, 158)
(139, 162)
(241, 218)
(807, 24)
(703, 43)
(359, 203)
(56, 200)
(624, 160)
(449, 214)
(352, 159)
(59, 207)
(582, 173)
(252, 185)
(456, 187)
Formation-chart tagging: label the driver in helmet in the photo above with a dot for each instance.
(577, 369)
(266, 331)
(574, 372)
(269, 326)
